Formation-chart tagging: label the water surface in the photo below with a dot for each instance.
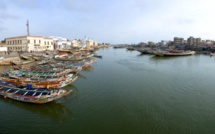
(125, 93)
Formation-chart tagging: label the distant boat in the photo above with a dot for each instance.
(212, 54)
(145, 51)
(97, 56)
(174, 53)
(130, 48)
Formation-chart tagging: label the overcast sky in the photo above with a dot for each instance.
(113, 21)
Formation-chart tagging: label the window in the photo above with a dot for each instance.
(34, 41)
(28, 41)
(48, 43)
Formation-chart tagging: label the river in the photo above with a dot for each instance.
(125, 93)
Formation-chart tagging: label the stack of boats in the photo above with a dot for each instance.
(45, 81)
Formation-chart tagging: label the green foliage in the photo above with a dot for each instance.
(3, 41)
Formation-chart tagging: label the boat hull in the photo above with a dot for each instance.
(167, 53)
(31, 96)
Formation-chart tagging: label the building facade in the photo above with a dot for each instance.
(178, 40)
(194, 41)
(29, 43)
(61, 43)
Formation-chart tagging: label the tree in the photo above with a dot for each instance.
(3, 41)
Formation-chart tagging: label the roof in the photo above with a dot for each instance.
(2, 43)
(23, 37)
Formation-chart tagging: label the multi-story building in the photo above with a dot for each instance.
(194, 41)
(61, 43)
(29, 43)
(84, 43)
(178, 40)
(207, 42)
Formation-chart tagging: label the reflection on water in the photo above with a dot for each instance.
(88, 69)
(74, 88)
(53, 110)
(126, 93)
(81, 76)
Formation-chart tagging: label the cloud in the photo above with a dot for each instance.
(112, 20)
(4, 16)
(29, 4)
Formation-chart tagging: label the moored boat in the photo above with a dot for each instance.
(38, 82)
(212, 54)
(22, 62)
(174, 53)
(39, 96)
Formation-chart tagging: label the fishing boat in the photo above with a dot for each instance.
(45, 61)
(38, 74)
(37, 58)
(25, 57)
(174, 53)
(97, 56)
(7, 61)
(145, 51)
(57, 82)
(130, 48)
(212, 54)
(22, 62)
(29, 95)
(3, 63)
(66, 58)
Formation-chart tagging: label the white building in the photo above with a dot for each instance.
(85, 43)
(3, 48)
(61, 43)
(29, 43)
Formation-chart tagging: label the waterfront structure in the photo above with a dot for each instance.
(61, 43)
(29, 43)
(84, 43)
(75, 43)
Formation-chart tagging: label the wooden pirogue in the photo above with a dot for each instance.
(39, 83)
(31, 95)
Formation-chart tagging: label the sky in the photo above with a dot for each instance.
(109, 21)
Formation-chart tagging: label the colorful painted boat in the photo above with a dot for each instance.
(39, 96)
(39, 74)
(42, 83)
